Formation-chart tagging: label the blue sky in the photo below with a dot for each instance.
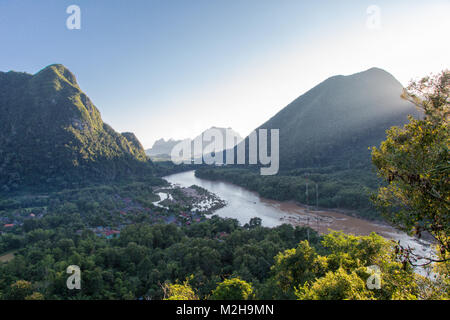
(167, 68)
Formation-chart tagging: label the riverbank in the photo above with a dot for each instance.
(317, 187)
(243, 205)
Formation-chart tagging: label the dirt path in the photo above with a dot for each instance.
(7, 256)
(323, 220)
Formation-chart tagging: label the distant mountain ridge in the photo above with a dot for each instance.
(51, 133)
(163, 149)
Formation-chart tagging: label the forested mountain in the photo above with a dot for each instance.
(51, 133)
(337, 121)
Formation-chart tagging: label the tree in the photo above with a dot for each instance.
(294, 267)
(350, 263)
(20, 289)
(254, 223)
(179, 291)
(415, 164)
(337, 285)
(35, 296)
(232, 289)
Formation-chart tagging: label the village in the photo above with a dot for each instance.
(175, 205)
(15, 219)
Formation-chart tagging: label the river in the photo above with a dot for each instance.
(243, 205)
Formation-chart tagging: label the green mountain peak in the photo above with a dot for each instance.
(58, 74)
(52, 133)
(336, 122)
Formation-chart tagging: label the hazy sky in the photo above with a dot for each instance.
(171, 68)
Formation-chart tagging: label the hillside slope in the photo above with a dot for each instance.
(335, 122)
(325, 136)
(51, 133)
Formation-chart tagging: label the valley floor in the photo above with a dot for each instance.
(243, 204)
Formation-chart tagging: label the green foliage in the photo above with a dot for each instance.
(257, 262)
(51, 134)
(357, 253)
(415, 163)
(133, 265)
(337, 285)
(294, 267)
(438, 286)
(35, 296)
(232, 289)
(19, 290)
(179, 291)
(342, 271)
